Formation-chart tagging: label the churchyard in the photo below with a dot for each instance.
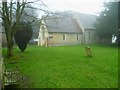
(66, 66)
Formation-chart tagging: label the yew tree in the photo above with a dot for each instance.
(23, 35)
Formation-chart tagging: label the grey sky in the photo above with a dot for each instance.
(84, 6)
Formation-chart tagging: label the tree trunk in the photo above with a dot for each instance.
(10, 51)
(10, 48)
(9, 45)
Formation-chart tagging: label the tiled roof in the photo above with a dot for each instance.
(70, 24)
(62, 24)
(86, 20)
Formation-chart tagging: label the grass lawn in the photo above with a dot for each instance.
(68, 66)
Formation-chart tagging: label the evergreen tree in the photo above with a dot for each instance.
(23, 35)
(107, 22)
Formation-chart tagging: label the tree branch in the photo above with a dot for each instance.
(23, 6)
(11, 5)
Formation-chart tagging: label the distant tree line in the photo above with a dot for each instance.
(107, 22)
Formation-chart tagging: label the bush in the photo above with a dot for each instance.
(23, 35)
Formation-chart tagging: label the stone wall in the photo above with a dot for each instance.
(0, 40)
(3, 39)
(70, 39)
(90, 37)
(2, 67)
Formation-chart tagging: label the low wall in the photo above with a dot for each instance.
(1, 72)
(3, 41)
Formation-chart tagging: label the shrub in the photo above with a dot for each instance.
(23, 35)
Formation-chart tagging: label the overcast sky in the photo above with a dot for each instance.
(84, 6)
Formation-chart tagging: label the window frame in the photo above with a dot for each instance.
(64, 37)
(77, 36)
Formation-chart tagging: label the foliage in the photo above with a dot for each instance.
(23, 35)
(69, 67)
(107, 22)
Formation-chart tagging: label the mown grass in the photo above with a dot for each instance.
(68, 66)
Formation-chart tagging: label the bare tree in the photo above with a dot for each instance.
(11, 13)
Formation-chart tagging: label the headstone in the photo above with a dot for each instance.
(88, 51)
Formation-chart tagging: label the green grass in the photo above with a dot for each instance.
(68, 66)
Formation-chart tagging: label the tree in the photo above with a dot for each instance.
(107, 22)
(7, 16)
(12, 12)
(119, 14)
(23, 35)
(119, 23)
(31, 15)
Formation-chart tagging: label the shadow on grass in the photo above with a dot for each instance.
(87, 57)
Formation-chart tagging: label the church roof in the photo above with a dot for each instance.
(70, 24)
(62, 24)
(86, 20)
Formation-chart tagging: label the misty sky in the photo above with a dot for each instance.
(84, 6)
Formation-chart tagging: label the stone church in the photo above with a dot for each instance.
(59, 30)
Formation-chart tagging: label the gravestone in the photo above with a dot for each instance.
(88, 51)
